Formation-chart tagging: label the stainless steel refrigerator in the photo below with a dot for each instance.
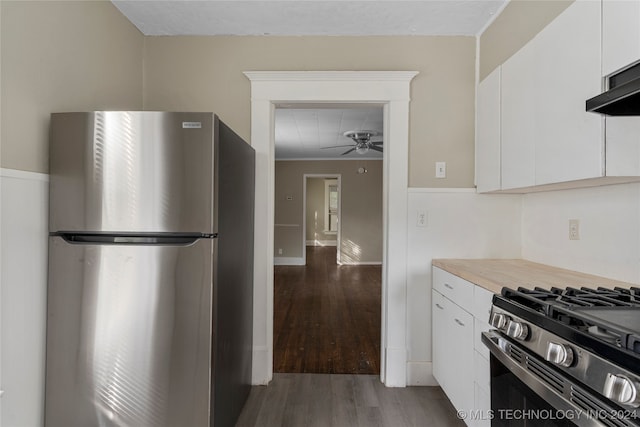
(150, 291)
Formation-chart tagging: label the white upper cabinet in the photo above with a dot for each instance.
(620, 34)
(568, 139)
(518, 121)
(623, 146)
(488, 133)
(547, 139)
(621, 48)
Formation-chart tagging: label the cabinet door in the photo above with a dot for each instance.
(517, 123)
(622, 141)
(439, 338)
(483, 405)
(453, 363)
(568, 140)
(488, 134)
(620, 34)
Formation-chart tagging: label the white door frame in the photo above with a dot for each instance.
(304, 212)
(389, 88)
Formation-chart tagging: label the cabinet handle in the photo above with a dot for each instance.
(459, 322)
(439, 306)
(446, 285)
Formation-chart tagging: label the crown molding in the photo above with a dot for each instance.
(330, 76)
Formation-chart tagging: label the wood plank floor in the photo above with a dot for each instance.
(327, 317)
(299, 400)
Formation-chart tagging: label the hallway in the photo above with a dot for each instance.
(327, 317)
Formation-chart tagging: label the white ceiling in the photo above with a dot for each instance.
(301, 131)
(309, 17)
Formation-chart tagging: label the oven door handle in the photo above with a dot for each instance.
(501, 349)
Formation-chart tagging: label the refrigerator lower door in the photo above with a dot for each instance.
(129, 334)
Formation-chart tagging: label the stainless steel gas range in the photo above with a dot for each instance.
(565, 357)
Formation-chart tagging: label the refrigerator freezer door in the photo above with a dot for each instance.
(116, 171)
(129, 333)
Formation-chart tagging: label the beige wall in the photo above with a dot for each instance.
(62, 56)
(361, 209)
(518, 23)
(315, 210)
(205, 73)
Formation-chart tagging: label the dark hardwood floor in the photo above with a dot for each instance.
(327, 317)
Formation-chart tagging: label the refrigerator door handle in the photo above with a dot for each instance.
(173, 239)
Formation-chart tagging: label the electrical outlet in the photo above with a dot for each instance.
(574, 229)
(421, 221)
(441, 169)
(279, 251)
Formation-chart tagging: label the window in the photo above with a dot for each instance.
(331, 205)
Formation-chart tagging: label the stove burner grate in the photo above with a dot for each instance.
(611, 316)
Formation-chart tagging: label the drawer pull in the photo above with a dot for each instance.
(439, 306)
(459, 322)
(446, 285)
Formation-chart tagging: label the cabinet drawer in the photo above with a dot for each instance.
(453, 287)
(482, 300)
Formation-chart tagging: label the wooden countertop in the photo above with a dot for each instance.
(494, 274)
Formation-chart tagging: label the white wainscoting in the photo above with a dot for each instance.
(23, 283)
(459, 224)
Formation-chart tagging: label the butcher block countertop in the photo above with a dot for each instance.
(494, 274)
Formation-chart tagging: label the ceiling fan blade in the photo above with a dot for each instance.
(348, 151)
(375, 147)
(376, 142)
(337, 146)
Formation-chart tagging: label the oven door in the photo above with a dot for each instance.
(528, 391)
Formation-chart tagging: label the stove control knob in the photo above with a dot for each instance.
(499, 320)
(622, 390)
(559, 354)
(517, 330)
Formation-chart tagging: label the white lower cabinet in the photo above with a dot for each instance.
(452, 366)
(460, 360)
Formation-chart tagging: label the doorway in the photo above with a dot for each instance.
(321, 214)
(389, 88)
(327, 310)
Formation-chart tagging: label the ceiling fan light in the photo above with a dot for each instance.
(362, 149)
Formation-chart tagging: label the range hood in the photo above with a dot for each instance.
(623, 96)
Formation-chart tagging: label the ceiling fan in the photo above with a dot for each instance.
(363, 143)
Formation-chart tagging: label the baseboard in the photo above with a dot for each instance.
(260, 369)
(288, 261)
(420, 374)
(360, 263)
(322, 243)
(396, 367)
(28, 175)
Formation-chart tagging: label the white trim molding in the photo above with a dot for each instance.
(391, 89)
(19, 174)
(441, 190)
(288, 261)
(322, 243)
(361, 263)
